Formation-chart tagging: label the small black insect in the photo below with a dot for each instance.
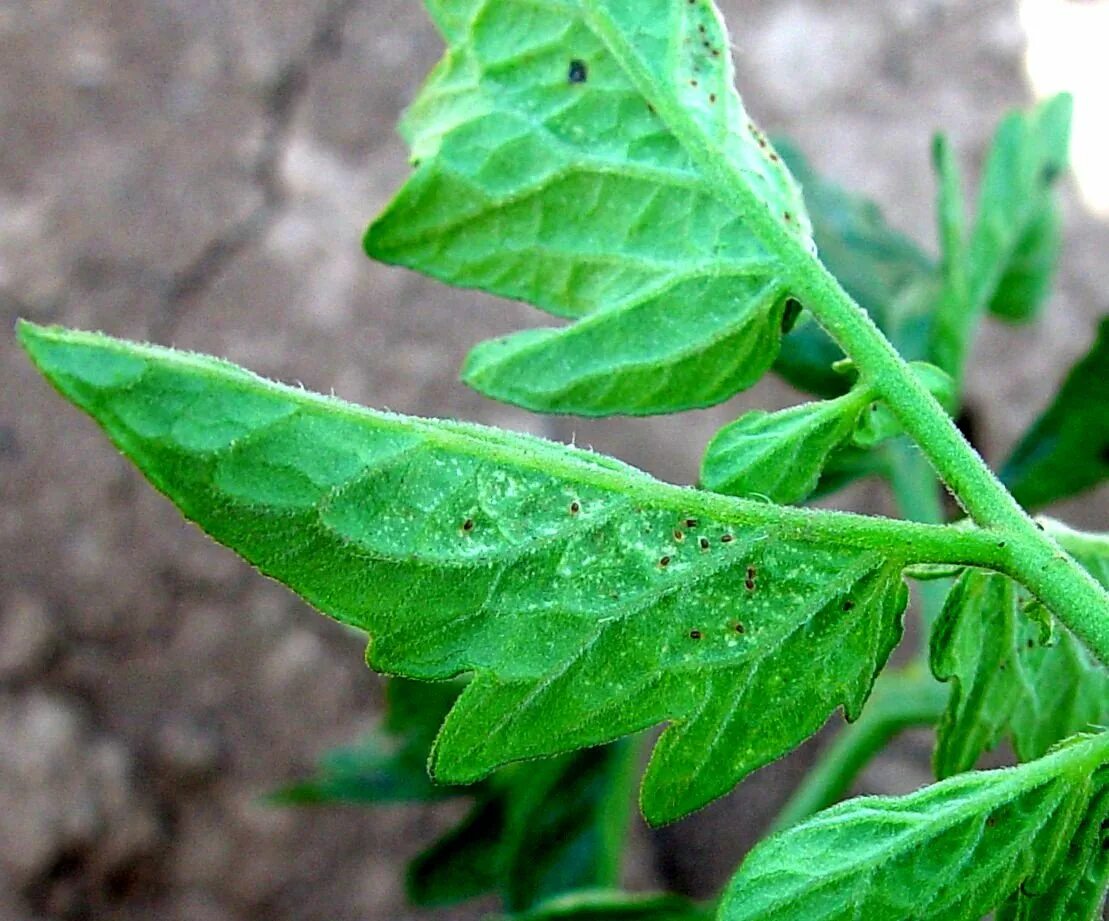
(468, 524)
(575, 507)
(848, 604)
(694, 634)
(704, 542)
(664, 562)
(579, 71)
(726, 539)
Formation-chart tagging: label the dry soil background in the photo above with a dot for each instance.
(198, 172)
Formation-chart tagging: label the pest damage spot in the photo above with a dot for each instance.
(579, 71)
(679, 534)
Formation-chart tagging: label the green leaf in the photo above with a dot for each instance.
(388, 766)
(1009, 678)
(467, 862)
(780, 455)
(1015, 241)
(883, 270)
(950, 852)
(553, 826)
(589, 600)
(1067, 449)
(617, 906)
(1079, 893)
(880, 424)
(556, 149)
(537, 830)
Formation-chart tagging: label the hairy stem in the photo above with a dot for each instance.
(900, 700)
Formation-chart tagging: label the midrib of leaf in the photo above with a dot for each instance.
(725, 178)
(903, 540)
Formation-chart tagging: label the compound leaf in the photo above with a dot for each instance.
(1067, 449)
(556, 148)
(589, 600)
(950, 852)
(1012, 674)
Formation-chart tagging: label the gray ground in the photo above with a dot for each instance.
(198, 172)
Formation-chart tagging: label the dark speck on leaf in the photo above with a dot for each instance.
(679, 534)
(848, 604)
(751, 572)
(1105, 454)
(468, 524)
(1031, 644)
(704, 543)
(1050, 173)
(739, 628)
(691, 522)
(712, 98)
(575, 507)
(773, 158)
(664, 562)
(726, 539)
(749, 585)
(579, 72)
(694, 634)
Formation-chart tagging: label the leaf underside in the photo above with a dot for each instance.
(589, 600)
(950, 852)
(556, 151)
(1009, 679)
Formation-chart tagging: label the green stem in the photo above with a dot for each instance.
(901, 700)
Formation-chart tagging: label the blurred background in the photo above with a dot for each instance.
(198, 173)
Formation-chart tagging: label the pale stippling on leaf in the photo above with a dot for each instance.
(1066, 451)
(589, 600)
(950, 852)
(558, 149)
